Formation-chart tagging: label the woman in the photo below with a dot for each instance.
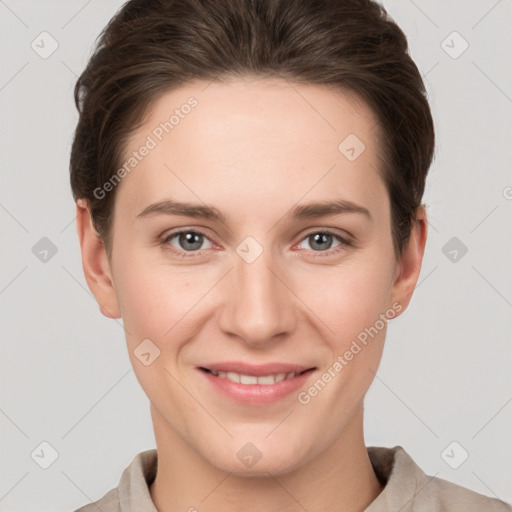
(248, 177)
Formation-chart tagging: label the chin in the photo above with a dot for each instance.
(256, 459)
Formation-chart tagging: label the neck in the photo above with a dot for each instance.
(340, 478)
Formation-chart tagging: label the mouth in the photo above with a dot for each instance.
(255, 385)
(251, 380)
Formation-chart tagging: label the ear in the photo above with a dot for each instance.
(409, 267)
(95, 262)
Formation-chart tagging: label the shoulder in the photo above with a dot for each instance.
(109, 503)
(446, 495)
(409, 489)
(132, 493)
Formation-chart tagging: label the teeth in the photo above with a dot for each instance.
(248, 379)
(251, 379)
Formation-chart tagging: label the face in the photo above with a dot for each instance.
(257, 273)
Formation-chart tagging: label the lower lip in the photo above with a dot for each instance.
(257, 394)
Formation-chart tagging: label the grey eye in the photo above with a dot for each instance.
(188, 241)
(320, 241)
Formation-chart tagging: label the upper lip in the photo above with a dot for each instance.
(259, 370)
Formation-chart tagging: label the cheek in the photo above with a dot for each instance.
(352, 307)
(146, 294)
(348, 297)
(157, 305)
(159, 301)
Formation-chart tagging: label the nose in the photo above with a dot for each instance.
(259, 306)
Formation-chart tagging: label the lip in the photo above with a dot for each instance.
(256, 370)
(256, 394)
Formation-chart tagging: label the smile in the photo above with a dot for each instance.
(255, 390)
(265, 380)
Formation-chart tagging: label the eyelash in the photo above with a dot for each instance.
(345, 242)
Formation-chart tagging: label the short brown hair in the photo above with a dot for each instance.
(152, 46)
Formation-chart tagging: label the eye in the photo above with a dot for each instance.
(187, 241)
(322, 242)
(192, 242)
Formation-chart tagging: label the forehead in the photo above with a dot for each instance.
(257, 138)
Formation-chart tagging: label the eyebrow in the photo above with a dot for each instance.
(324, 208)
(300, 212)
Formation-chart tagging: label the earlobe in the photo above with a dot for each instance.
(95, 263)
(411, 261)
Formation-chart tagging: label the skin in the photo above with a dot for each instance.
(255, 148)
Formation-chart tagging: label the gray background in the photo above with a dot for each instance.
(65, 374)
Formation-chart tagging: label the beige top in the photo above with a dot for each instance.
(407, 488)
